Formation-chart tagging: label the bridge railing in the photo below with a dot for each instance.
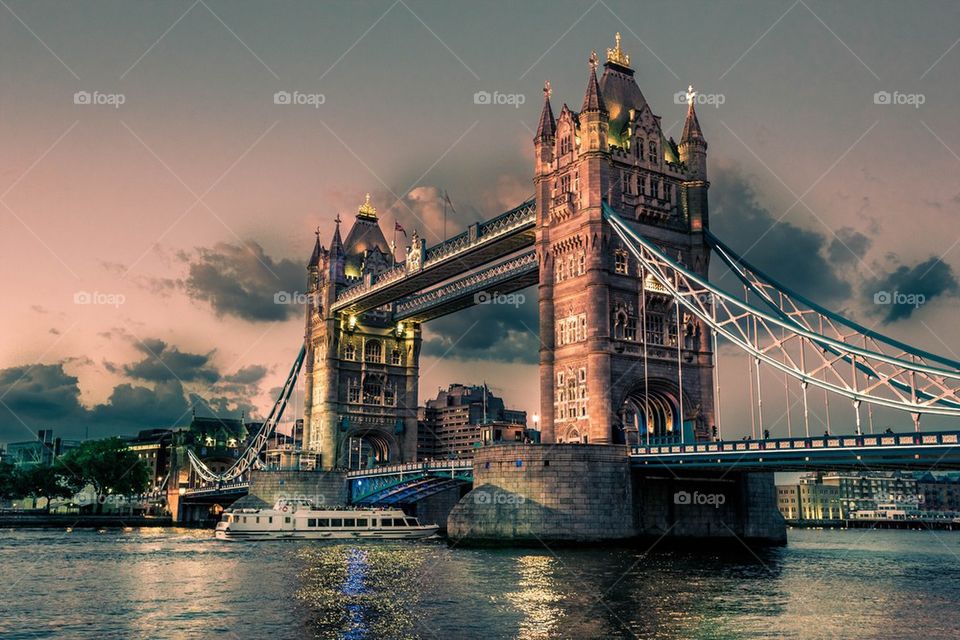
(890, 440)
(412, 467)
(217, 487)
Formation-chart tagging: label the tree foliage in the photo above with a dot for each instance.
(106, 465)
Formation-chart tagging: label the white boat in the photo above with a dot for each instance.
(302, 520)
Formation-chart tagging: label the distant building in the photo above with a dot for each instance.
(464, 417)
(866, 491)
(152, 446)
(940, 493)
(809, 499)
(42, 451)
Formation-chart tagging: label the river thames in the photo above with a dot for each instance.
(178, 583)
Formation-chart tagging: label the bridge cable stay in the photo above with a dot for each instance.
(804, 312)
(251, 456)
(919, 384)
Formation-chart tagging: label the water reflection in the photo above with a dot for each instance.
(536, 598)
(185, 585)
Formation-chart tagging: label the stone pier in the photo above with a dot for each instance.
(529, 493)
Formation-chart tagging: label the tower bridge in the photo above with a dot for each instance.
(617, 241)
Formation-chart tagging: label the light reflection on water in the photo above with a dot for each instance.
(184, 584)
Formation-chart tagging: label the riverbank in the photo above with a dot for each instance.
(80, 521)
(863, 523)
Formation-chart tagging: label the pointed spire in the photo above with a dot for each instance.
(548, 126)
(593, 99)
(691, 128)
(336, 245)
(317, 250)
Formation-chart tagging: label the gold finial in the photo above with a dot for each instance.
(690, 94)
(616, 55)
(547, 90)
(367, 210)
(594, 60)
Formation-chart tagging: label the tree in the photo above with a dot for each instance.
(40, 481)
(108, 466)
(8, 481)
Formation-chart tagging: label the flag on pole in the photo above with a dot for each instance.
(398, 227)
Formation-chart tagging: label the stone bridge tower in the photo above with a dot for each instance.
(360, 372)
(614, 351)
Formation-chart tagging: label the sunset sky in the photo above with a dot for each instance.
(189, 205)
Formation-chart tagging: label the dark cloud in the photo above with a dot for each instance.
(794, 256)
(499, 332)
(46, 396)
(242, 281)
(848, 246)
(163, 363)
(247, 375)
(896, 295)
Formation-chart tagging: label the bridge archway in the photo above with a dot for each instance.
(651, 412)
(366, 449)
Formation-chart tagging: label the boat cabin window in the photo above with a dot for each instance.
(258, 519)
(349, 522)
(336, 522)
(323, 522)
(398, 522)
(244, 519)
(286, 519)
(386, 522)
(411, 522)
(361, 522)
(311, 522)
(270, 520)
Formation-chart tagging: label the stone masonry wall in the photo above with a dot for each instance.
(532, 493)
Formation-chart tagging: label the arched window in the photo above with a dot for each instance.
(349, 352)
(373, 352)
(396, 357)
(652, 147)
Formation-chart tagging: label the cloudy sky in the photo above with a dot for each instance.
(153, 197)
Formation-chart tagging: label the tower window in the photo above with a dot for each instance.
(395, 357)
(349, 352)
(620, 262)
(652, 147)
(373, 352)
(353, 390)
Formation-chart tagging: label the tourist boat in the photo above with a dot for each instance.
(302, 520)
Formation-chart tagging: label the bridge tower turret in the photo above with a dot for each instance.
(361, 371)
(615, 351)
